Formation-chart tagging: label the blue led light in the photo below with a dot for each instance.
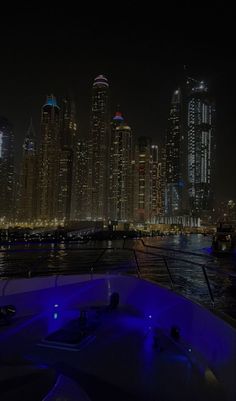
(55, 315)
(56, 305)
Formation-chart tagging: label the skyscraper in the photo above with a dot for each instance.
(120, 177)
(49, 158)
(174, 155)
(200, 147)
(67, 158)
(142, 179)
(6, 169)
(190, 151)
(80, 183)
(155, 195)
(98, 150)
(28, 178)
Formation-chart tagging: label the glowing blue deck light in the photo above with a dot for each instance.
(55, 315)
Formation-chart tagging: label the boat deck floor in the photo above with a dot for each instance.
(122, 357)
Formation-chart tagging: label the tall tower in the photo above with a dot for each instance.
(28, 178)
(174, 155)
(6, 170)
(98, 150)
(80, 184)
(155, 195)
(49, 158)
(67, 158)
(200, 147)
(142, 188)
(121, 183)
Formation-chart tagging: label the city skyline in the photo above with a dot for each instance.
(143, 63)
(113, 175)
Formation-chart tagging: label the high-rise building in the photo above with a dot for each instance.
(6, 169)
(162, 181)
(174, 156)
(99, 150)
(190, 151)
(142, 180)
(200, 147)
(27, 203)
(155, 195)
(120, 176)
(49, 159)
(80, 194)
(67, 158)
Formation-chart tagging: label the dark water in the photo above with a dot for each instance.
(173, 260)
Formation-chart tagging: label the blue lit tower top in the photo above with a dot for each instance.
(51, 101)
(100, 81)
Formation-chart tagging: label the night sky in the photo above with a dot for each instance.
(54, 49)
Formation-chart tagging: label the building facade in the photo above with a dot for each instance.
(200, 148)
(120, 176)
(99, 150)
(80, 201)
(6, 170)
(155, 195)
(174, 156)
(49, 160)
(27, 204)
(142, 180)
(190, 151)
(67, 158)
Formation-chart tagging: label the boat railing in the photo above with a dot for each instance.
(164, 259)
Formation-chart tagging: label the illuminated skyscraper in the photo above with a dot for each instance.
(28, 179)
(6, 169)
(49, 159)
(155, 195)
(120, 177)
(67, 158)
(174, 155)
(200, 147)
(99, 150)
(80, 184)
(190, 151)
(142, 180)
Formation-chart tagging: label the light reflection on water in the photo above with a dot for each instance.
(50, 258)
